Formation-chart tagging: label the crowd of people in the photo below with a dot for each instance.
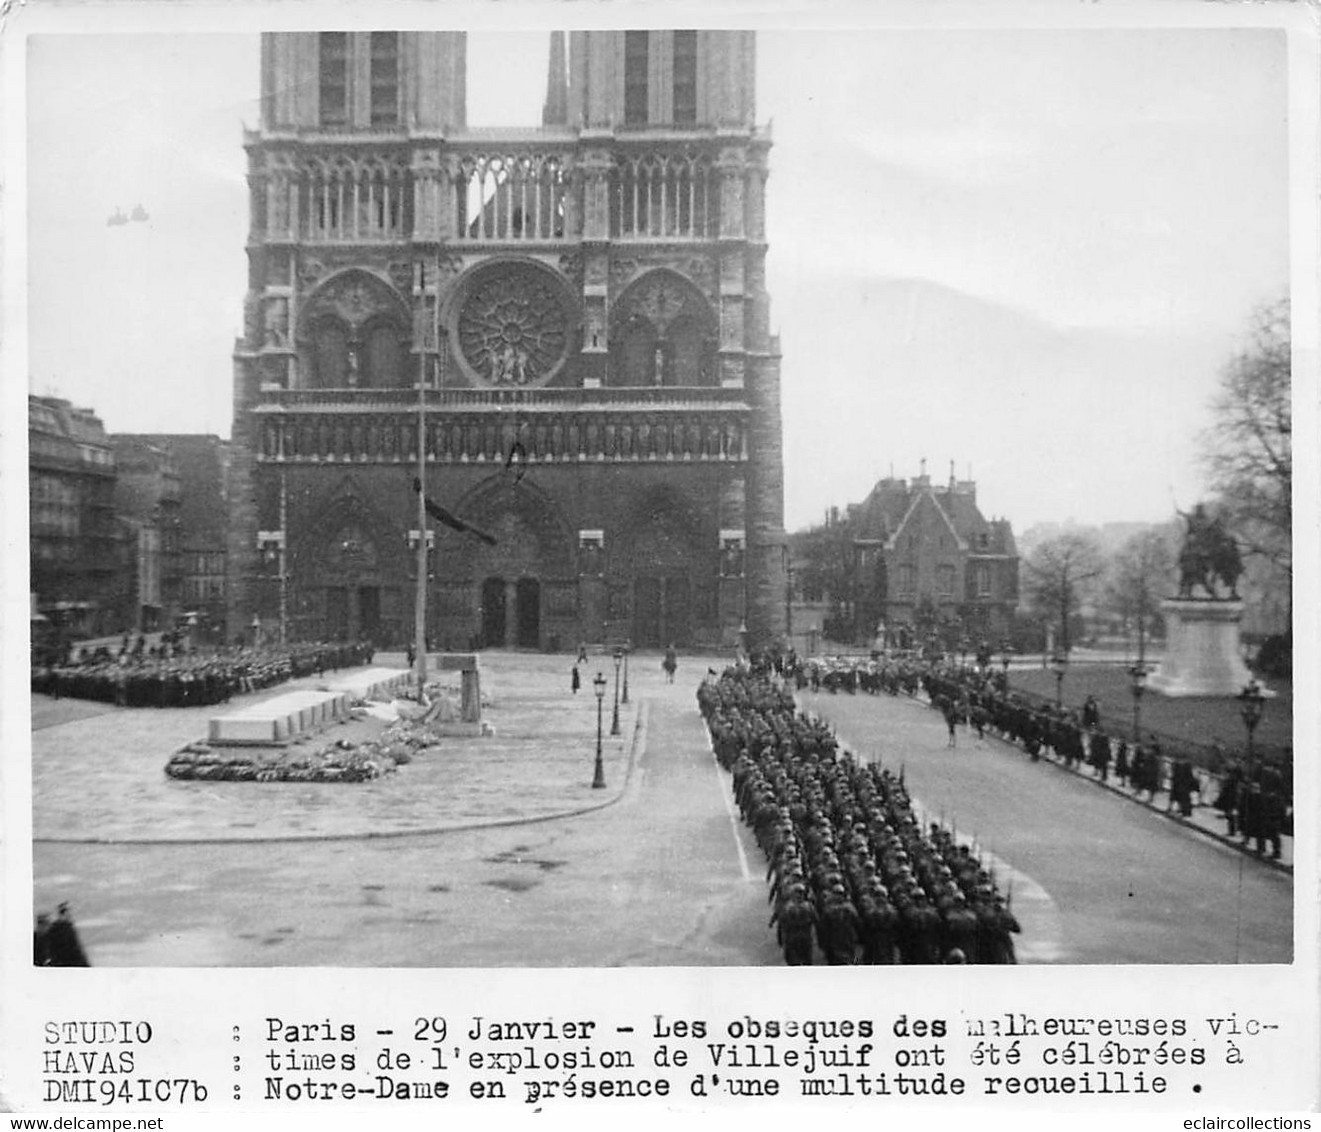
(55, 941)
(851, 870)
(1254, 801)
(172, 674)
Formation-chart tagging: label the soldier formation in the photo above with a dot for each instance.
(171, 676)
(850, 867)
(1256, 802)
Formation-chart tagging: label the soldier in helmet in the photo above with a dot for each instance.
(794, 919)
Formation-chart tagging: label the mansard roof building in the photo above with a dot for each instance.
(584, 305)
(74, 543)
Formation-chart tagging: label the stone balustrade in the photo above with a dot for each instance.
(479, 434)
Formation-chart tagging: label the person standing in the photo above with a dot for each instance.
(670, 663)
(575, 681)
(1091, 714)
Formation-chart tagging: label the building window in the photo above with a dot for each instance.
(636, 64)
(732, 545)
(385, 357)
(983, 576)
(945, 580)
(334, 78)
(331, 355)
(685, 78)
(907, 579)
(385, 78)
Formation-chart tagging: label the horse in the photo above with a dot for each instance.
(1220, 562)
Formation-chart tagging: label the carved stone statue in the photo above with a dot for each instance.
(1209, 555)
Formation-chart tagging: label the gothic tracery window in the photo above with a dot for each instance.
(331, 354)
(385, 357)
(513, 326)
(665, 335)
(636, 354)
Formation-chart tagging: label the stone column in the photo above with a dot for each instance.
(594, 168)
(427, 195)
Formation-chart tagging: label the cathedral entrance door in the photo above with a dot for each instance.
(369, 613)
(493, 613)
(337, 613)
(647, 613)
(677, 610)
(529, 613)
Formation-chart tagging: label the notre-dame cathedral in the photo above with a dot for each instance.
(582, 308)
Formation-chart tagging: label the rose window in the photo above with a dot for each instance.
(511, 327)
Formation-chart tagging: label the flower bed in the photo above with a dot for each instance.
(338, 762)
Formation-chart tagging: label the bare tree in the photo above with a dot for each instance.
(1059, 571)
(1248, 450)
(1139, 576)
(827, 570)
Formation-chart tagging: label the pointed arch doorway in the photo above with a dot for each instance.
(493, 613)
(527, 607)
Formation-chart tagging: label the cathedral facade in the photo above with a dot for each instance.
(570, 319)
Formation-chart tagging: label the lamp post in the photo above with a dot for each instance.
(1137, 676)
(1004, 663)
(614, 719)
(1060, 663)
(598, 685)
(1251, 705)
(628, 648)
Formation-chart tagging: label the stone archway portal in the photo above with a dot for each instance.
(528, 613)
(661, 610)
(493, 613)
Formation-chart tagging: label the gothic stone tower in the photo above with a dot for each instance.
(585, 303)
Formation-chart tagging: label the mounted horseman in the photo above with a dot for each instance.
(1209, 555)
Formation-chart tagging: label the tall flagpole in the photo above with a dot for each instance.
(420, 608)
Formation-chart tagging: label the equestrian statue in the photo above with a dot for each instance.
(1209, 556)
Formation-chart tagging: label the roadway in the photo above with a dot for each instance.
(663, 876)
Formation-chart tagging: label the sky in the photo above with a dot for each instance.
(1026, 251)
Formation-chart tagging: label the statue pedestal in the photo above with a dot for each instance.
(1202, 655)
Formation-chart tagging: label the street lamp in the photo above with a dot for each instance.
(628, 648)
(1060, 663)
(1137, 676)
(614, 719)
(1004, 662)
(1251, 705)
(598, 685)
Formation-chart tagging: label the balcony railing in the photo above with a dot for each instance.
(635, 434)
